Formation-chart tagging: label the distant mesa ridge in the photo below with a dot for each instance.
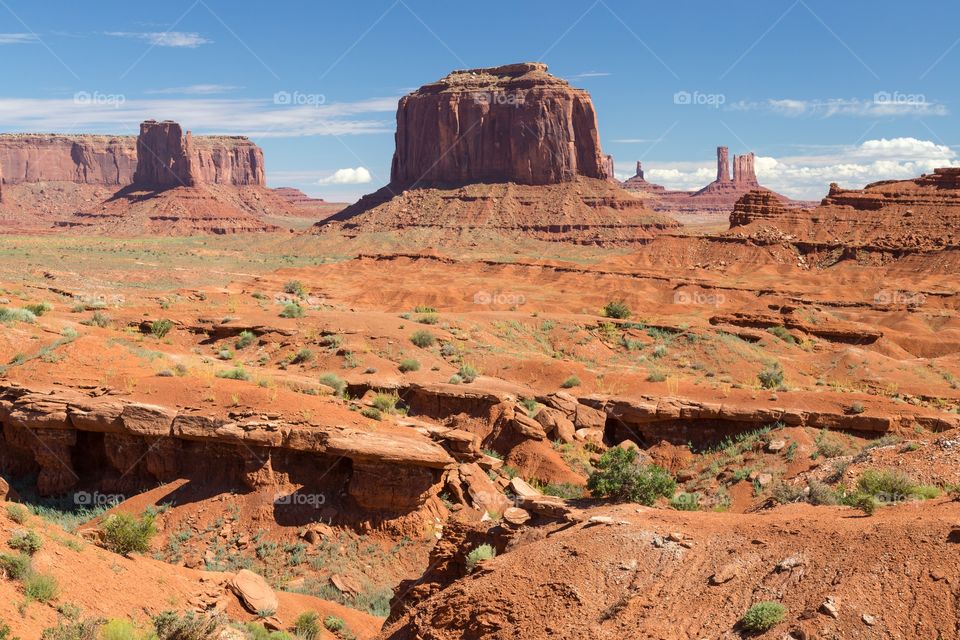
(112, 160)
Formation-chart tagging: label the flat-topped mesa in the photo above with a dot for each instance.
(164, 158)
(111, 161)
(83, 159)
(515, 123)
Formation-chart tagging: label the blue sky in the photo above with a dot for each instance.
(822, 91)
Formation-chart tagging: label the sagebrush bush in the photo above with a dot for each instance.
(160, 328)
(307, 626)
(237, 373)
(617, 309)
(334, 624)
(15, 567)
(571, 382)
(468, 373)
(27, 541)
(126, 534)
(763, 616)
(618, 476)
(423, 339)
(41, 588)
(479, 554)
(39, 308)
(771, 377)
(245, 339)
(335, 382)
(9, 316)
(17, 513)
(782, 333)
(170, 625)
(295, 288)
(292, 310)
(409, 364)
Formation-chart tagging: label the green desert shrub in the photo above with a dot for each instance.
(18, 513)
(160, 328)
(307, 626)
(771, 377)
(170, 625)
(10, 316)
(334, 624)
(15, 567)
(245, 339)
(40, 587)
(98, 319)
(26, 540)
(782, 333)
(479, 554)
(39, 308)
(237, 373)
(335, 382)
(571, 382)
(423, 339)
(409, 364)
(468, 373)
(125, 534)
(302, 356)
(617, 309)
(386, 402)
(294, 288)
(685, 502)
(763, 616)
(618, 476)
(118, 629)
(372, 413)
(292, 310)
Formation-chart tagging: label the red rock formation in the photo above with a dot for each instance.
(718, 197)
(112, 160)
(514, 123)
(918, 214)
(723, 164)
(504, 150)
(639, 183)
(102, 160)
(743, 172)
(164, 157)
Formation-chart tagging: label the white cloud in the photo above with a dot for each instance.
(18, 38)
(882, 104)
(360, 175)
(257, 118)
(195, 90)
(807, 177)
(183, 39)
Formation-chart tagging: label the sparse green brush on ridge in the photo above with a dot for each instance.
(295, 288)
(409, 364)
(41, 588)
(27, 541)
(618, 476)
(423, 339)
(571, 382)
(160, 328)
(479, 554)
(335, 382)
(245, 339)
(10, 316)
(292, 310)
(763, 616)
(617, 309)
(237, 373)
(125, 534)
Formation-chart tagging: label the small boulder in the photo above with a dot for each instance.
(522, 489)
(831, 607)
(253, 592)
(725, 574)
(516, 516)
(776, 445)
(590, 418)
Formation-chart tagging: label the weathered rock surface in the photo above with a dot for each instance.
(509, 149)
(164, 158)
(922, 214)
(514, 123)
(718, 197)
(254, 592)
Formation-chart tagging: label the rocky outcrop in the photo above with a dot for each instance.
(514, 123)
(52, 430)
(102, 160)
(112, 160)
(508, 150)
(719, 197)
(922, 214)
(164, 157)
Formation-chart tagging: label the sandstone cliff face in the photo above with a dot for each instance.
(164, 157)
(103, 160)
(514, 123)
(112, 160)
(919, 214)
